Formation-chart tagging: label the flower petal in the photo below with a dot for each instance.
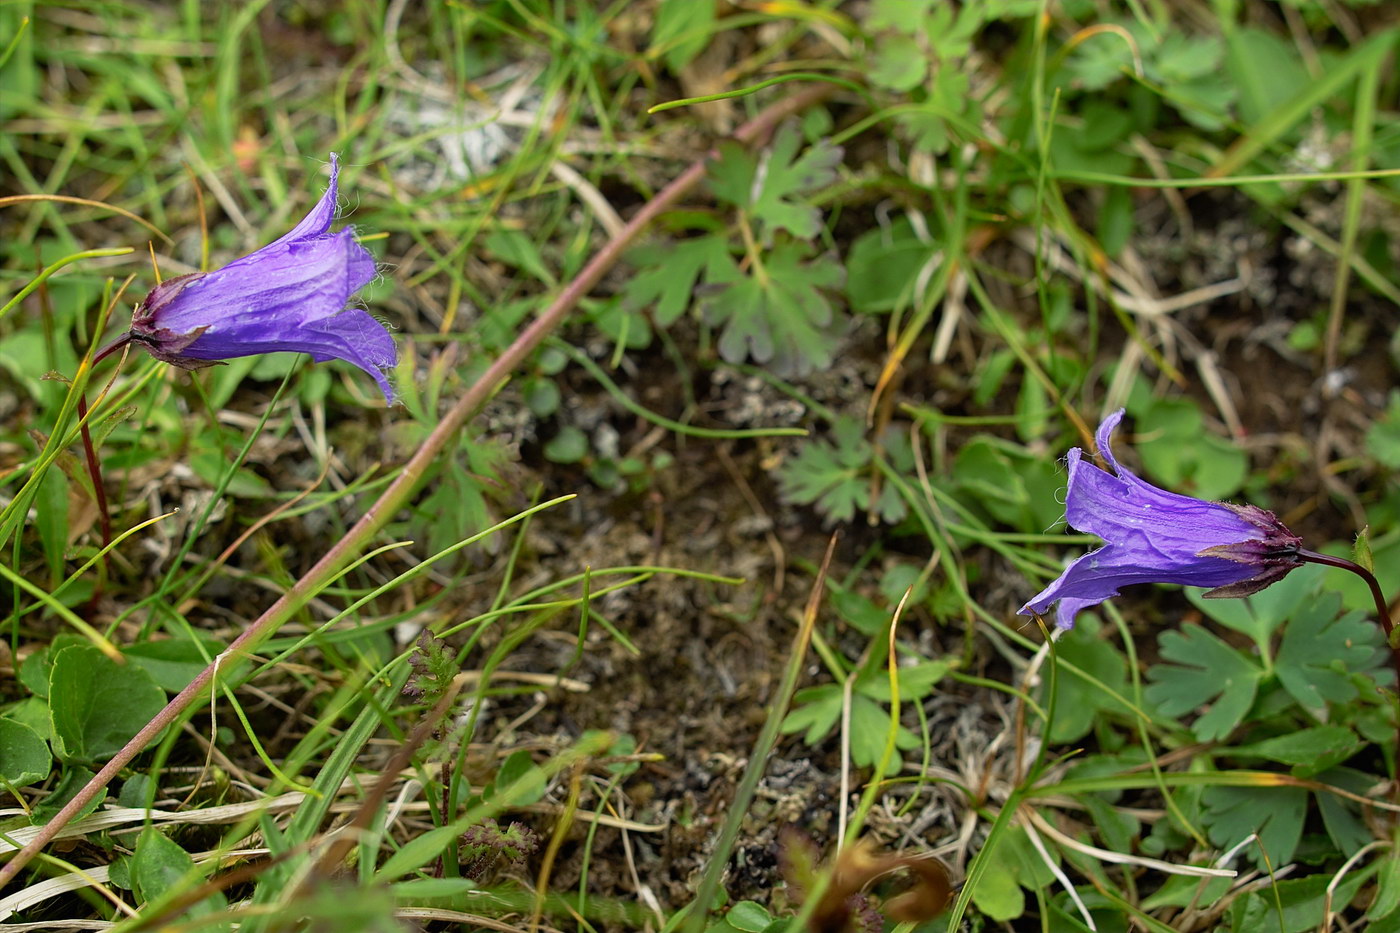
(1155, 536)
(1100, 574)
(318, 221)
(291, 296)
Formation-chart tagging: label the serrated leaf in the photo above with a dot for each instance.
(831, 476)
(915, 681)
(1294, 905)
(1320, 650)
(950, 35)
(778, 315)
(870, 727)
(816, 709)
(668, 273)
(1260, 615)
(1275, 814)
(1208, 673)
(1317, 748)
(1340, 816)
(770, 186)
(898, 15)
(1182, 58)
(899, 63)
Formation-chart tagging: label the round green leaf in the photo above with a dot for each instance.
(24, 755)
(98, 704)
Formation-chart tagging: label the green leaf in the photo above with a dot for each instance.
(998, 894)
(882, 266)
(835, 475)
(34, 671)
(779, 315)
(1177, 451)
(831, 476)
(1361, 550)
(1276, 814)
(211, 466)
(1383, 436)
(173, 662)
(1388, 887)
(516, 248)
(1079, 705)
(862, 613)
(570, 445)
(748, 916)
(520, 767)
(1344, 825)
(771, 187)
(158, 865)
(1309, 751)
(1266, 69)
(1321, 650)
(1294, 905)
(542, 396)
(682, 29)
(51, 520)
(1116, 221)
(898, 15)
(417, 890)
(1182, 58)
(985, 472)
(34, 713)
(870, 727)
(1260, 615)
(1207, 672)
(98, 704)
(668, 273)
(899, 63)
(70, 780)
(915, 681)
(816, 709)
(951, 37)
(1103, 59)
(24, 755)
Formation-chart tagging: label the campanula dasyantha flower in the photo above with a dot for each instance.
(289, 296)
(1154, 536)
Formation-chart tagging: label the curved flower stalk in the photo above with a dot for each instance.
(1154, 536)
(289, 296)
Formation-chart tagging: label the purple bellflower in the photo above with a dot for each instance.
(1154, 536)
(290, 296)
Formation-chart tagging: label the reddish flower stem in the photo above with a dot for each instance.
(397, 494)
(94, 467)
(95, 471)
